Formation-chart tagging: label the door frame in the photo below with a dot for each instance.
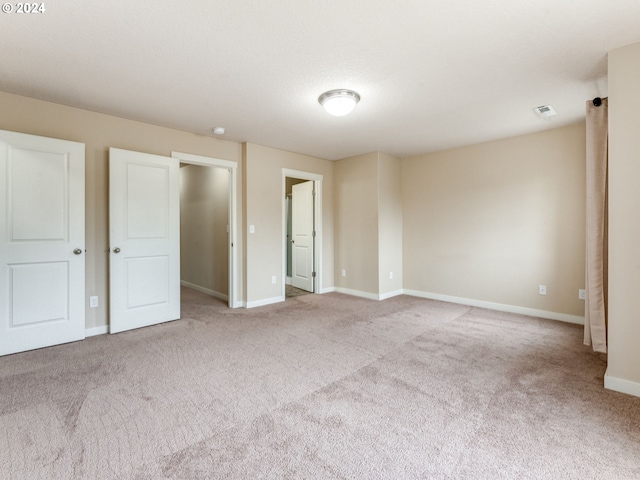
(232, 167)
(316, 178)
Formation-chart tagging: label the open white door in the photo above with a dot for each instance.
(41, 242)
(144, 218)
(302, 233)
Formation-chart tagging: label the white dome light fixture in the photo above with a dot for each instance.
(339, 102)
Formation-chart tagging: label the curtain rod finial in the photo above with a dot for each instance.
(597, 102)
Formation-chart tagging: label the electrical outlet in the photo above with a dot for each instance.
(542, 289)
(582, 294)
(273, 279)
(93, 302)
(344, 272)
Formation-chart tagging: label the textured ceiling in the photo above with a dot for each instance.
(432, 74)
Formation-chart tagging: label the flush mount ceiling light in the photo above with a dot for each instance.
(218, 130)
(545, 111)
(339, 102)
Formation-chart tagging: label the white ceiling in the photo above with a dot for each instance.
(432, 74)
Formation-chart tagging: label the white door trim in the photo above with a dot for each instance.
(317, 208)
(232, 167)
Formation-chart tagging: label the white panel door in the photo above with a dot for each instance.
(144, 218)
(302, 233)
(41, 242)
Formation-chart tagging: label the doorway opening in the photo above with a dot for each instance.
(208, 256)
(204, 230)
(302, 232)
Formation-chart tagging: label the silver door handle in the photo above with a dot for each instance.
(116, 250)
(77, 251)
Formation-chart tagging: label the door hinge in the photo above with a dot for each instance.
(313, 274)
(313, 234)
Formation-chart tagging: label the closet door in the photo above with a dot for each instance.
(42, 266)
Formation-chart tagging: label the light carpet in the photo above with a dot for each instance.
(320, 386)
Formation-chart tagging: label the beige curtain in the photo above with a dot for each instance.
(595, 326)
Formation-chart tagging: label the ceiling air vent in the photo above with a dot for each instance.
(545, 111)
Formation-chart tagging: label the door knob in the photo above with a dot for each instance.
(77, 251)
(116, 250)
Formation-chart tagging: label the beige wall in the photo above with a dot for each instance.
(624, 216)
(369, 224)
(488, 222)
(492, 221)
(389, 224)
(204, 219)
(99, 132)
(356, 199)
(264, 186)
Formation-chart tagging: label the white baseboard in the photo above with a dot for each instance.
(384, 296)
(357, 293)
(208, 291)
(621, 385)
(327, 290)
(562, 317)
(370, 296)
(265, 301)
(92, 332)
